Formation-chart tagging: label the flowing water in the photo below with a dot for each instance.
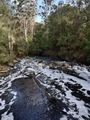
(44, 89)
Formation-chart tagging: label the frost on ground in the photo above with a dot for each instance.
(67, 87)
(73, 93)
(5, 89)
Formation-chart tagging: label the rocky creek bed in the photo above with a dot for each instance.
(44, 89)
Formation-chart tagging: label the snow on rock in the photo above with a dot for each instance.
(75, 103)
(72, 92)
(63, 118)
(7, 117)
(2, 104)
(82, 71)
(6, 83)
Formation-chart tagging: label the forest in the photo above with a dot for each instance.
(44, 59)
(64, 31)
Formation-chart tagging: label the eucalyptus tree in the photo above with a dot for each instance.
(48, 4)
(26, 10)
(5, 40)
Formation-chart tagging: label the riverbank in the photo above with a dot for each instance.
(5, 68)
(66, 88)
(54, 56)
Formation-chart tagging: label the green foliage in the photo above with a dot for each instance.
(40, 41)
(4, 58)
(4, 52)
(20, 48)
(66, 34)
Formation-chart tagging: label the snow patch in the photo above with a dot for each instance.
(7, 117)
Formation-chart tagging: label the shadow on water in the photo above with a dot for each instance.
(32, 103)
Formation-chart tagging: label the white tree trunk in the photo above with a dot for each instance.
(26, 29)
(10, 43)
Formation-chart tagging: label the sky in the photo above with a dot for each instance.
(38, 18)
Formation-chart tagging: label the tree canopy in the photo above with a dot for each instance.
(64, 32)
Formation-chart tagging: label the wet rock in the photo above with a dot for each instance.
(52, 67)
(59, 87)
(73, 87)
(4, 110)
(83, 89)
(41, 61)
(58, 105)
(67, 88)
(61, 81)
(11, 64)
(52, 82)
(56, 79)
(77, 92)
(4, 70)
(88, 92)
(88, 67)
(70, 117)
(6, 96)
(78, 99)
(72, 80)
(87, 105)
(81, 96)
(85, 118)
(31, 75)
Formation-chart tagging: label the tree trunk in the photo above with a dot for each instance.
(46, 9)
(26, 29)
(32, 28)
(10, 47)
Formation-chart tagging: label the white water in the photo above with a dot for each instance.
(32, 64)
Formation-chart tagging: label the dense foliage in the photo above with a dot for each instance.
(66, 34)
(4, 50)
(16, 28)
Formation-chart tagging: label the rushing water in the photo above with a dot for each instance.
(38, 89)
